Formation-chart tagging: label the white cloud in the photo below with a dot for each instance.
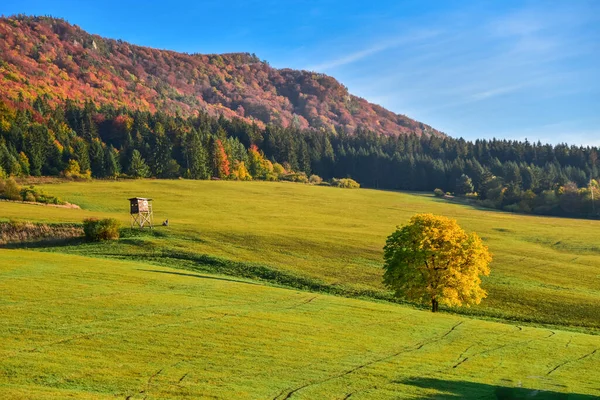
(371, 50)
(499, 91)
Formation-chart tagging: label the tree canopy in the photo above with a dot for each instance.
(37, 138)
(433, 260)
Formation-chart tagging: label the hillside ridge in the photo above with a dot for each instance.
(49, 57)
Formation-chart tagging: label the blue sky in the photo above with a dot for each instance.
(473, 69)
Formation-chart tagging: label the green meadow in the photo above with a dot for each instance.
(273, 290)
(545, 270)
(92, 328)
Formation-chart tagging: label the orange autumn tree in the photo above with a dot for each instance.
(433, 260)
(221, 167)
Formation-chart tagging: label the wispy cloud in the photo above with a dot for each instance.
(498, 91)
(373, 49)
(479, 70)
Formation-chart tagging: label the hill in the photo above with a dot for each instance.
(47, 56)
(545, 270)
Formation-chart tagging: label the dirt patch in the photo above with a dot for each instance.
(18, 232)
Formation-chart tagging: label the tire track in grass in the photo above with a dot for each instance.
(182, 378)
(153, 376)
(460, 362)
(464, 360)
(463, 353)
(562, 364)
(144, 391)
(418, 346)
(569, 342)
(302, 303)
(213, 317)
(138, 316)
(460, 357)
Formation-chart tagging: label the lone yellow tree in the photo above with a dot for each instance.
(433, 260)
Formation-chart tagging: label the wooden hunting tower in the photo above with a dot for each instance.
(140, 209)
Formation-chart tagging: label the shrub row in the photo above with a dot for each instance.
(346, 183)
(11, 190)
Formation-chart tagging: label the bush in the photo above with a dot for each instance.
(32, 194)
(512, 208)
(278, 169)
(464, 185)
(12, 191)
(295, 177)
(315, 179)
(438, 193)
(73, 171)
(96, 229)
(270, 176)
(29, 197)
(346, 183)
(488, 204)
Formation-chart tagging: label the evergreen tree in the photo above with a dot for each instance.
(529, 178)
(80, 151)
(304, 158)
(464, 185)
(37, 143)
(111, 162)
(97, 159)
(137, 166)
(488, 182)
(196, 157)
(512, 173)
(160, 152)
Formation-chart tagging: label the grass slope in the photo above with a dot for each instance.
(545, 270)
(79, 327)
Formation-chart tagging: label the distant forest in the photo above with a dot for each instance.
(77, 141)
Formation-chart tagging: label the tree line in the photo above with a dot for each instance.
(79, 140)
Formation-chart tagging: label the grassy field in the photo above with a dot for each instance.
(233, 301)
(79, 327)
(545, 270)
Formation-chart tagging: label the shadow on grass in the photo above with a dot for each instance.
(157, 231)
(44, 243)
(472, 390)
(199, 276)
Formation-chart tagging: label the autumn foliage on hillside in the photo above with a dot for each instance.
(42, 56)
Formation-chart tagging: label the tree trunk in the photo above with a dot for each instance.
(434, 305)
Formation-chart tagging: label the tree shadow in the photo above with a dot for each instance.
(473, 390)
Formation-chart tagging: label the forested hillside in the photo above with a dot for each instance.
(41, 56)
(106, 142)
(80, 106)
